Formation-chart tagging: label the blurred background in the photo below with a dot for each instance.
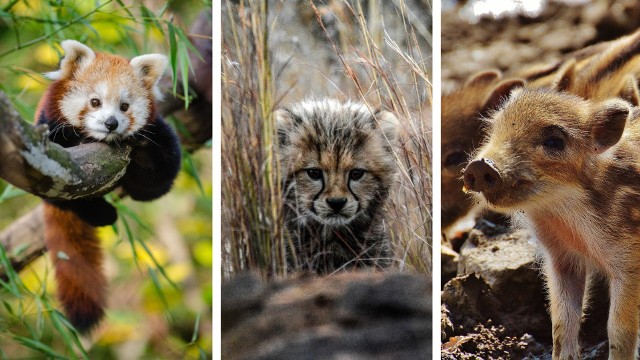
(158, 254)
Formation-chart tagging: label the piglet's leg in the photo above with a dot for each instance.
(566, 283)
(623, 316)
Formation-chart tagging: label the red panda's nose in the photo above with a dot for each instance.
(111, 123)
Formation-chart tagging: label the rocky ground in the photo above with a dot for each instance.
(494, 304)
(493, 295)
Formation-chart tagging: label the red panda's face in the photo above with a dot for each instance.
(106, 96)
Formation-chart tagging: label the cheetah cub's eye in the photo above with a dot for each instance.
(356, 174)
(124, 107)
(314, 173)
(554, 139)
(95, 103)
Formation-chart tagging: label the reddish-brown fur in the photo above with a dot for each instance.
(77, 257)
(88, 90)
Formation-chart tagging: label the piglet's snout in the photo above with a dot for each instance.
(482, 176)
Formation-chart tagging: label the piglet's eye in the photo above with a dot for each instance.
(555, 143)
(554, 139)
(95, 103)
(124, 107)
(314, 173)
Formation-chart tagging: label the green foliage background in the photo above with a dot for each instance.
(158, 255)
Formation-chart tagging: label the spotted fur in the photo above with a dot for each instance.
(338, 168)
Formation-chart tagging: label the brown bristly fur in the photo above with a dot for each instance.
(77, 257)
(568, 168)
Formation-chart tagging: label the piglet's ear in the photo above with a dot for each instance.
(610, 119)
(566, 76)
(150, 68)
(77, 57)
(483, 78)
(499, 94)
(630, 91)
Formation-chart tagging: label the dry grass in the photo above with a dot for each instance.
(276, 53)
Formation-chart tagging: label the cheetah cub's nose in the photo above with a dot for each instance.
(111, 124)
(336, 203)
(481, 175)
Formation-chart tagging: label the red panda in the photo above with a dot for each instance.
(105, 98)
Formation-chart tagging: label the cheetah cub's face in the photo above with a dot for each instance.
(337, 161)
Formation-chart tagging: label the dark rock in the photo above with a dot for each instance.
(353, 315)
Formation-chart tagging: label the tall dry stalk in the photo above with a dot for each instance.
(252, 213)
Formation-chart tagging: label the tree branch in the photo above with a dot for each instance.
(33, 163)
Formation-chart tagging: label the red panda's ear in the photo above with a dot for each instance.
(77, 56)
(150, 68)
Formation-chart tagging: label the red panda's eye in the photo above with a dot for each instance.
(124, 107)
(95, 102)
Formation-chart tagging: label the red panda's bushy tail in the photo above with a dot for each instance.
(77, 258)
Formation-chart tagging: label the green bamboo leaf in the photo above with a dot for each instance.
(37, 345)
(185, 39)
(126, 9)
(39, 319)
(173, 51)
(185, 64)
(159, 291)
(12, 276)
(68, 332)
(180, 127)
(11, 192)
(9, 308)
(150, 17)
(196, 329)
(192, 171)
(159, 267)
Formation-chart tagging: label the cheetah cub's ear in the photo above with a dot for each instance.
(150, 68)
(77, 57)
(389, 125)
(609, 120)
(283, 122)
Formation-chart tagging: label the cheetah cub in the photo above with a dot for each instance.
(338, 168)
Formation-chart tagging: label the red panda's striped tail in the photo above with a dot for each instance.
(77, 258)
